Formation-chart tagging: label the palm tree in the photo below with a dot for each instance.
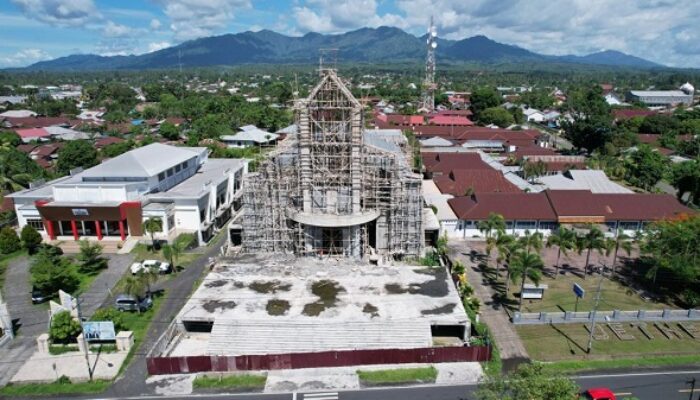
(526, 266)
(594, 239)
(623, 241)
(510, 249)
(565, 240)
(531, 241)
(495, 223)
(172, 252)
(148, 276)
(153, 225)
(502, 242)
(134, 285)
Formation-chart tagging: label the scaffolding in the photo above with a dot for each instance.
(325, 191)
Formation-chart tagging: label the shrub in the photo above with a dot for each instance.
(31, 239)
(90, 257)
(64, 328)
(51, 272)
(186, 241)
(110, 314)
(9, 241)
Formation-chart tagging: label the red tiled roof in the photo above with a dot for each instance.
(465, 113)
(526, 151)
(451, 120)
(26, 148)
(107, 140)
(46, 150)
(459, 181)
(32, 133)
(37, 122)
(557, 166)
(446, 162)
(627, 114)
(399, 119)
(513, 206)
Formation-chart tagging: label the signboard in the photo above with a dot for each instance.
(80, 212)
(98, 331)
(579, 291)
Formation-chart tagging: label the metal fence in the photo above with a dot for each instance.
(570, 317)
(340, 358)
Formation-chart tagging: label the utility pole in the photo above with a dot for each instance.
(595, 309)
(87, 345)
(691, 382)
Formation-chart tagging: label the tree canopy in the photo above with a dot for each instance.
(78, 153)
(530, 381)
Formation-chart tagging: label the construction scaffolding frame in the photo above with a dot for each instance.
(325, 191)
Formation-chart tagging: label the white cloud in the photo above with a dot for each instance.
(116, 30)
(155, 24)
(60, 12)
(24, 57)
(191, 19)
(328, 16)
(155, 46)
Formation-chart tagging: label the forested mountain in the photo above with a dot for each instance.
(376, 45)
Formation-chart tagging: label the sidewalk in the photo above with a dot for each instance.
(493, 315)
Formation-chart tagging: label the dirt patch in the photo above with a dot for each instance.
(327, 291)
(371, 310)
(446, 309)
(277, 307)
(436, 287)
(269, 286)
(213, 305)
(216, 283)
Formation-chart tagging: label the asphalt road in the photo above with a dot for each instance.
(664, 385)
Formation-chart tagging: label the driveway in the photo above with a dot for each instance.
(32, 320)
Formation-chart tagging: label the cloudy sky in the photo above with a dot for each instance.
(664, 31)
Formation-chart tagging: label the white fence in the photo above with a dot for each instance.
(570, 317)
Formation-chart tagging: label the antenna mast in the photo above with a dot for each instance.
(429, 86)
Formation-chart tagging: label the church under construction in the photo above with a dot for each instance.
(333, 188)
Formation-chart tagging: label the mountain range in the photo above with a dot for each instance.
(375, 45)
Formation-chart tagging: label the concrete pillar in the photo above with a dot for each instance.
(616, 314)
(82, 344)
(125, 340)
(122, 231)
(74, 228)
(42, 343)
(98, 230)
(666, 314)
(568, 315)
(641, 314)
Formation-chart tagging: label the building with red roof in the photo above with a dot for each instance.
(623, 114)
(450, 120)
(29, 134)
(436, 164)
(459, 182)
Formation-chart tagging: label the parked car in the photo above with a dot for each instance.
(161, 267)
(127, 302)
(38, 296)
(598, 394)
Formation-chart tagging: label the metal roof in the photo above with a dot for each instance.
(144, 161)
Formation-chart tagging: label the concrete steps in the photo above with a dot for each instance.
(73, 247)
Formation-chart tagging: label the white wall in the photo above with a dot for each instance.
(89, 193)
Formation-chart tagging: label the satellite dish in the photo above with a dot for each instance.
(427, 41)
(433, 45)
(433, 33)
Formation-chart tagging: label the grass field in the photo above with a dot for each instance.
(559, 296)
(56, 388)
(569, 342)
(141, 252)
(399, 375)
(243, 381)
(575, 366)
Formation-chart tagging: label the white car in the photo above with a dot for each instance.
(161, 267)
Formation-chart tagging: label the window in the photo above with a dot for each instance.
(550, 225)
(531, 225)
(177, 168)
(170, 172)
(36, 224)
(161, 176)
(171, 222)
(184, 164)
(629, 225)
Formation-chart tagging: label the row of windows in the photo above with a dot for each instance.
(174, 170)
(36, 224)
(624, 225)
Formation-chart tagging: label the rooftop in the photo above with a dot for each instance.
(144, 161)
(211, 172)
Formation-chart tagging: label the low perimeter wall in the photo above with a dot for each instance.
(344, 358)
(570, 317)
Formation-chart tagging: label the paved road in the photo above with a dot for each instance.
(177, 291)
(33, 319)
(509, 344)
(649, 385)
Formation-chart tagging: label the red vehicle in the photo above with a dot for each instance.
(598, 394)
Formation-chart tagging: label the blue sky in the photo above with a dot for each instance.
(663, 31)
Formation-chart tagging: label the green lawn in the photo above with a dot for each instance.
(141, 252)
(49, 389)
(139, 324)
(591, 365)
(568, 342)
(242, 381)
(559, 296)
(399, 375)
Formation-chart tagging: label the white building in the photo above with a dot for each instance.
(533, 115)
(249, 136)
(684, 95)
(181, 186)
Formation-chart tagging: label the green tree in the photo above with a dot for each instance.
(621, 241)
(50, 272)
(78, 153)
(645, 167)
(685, 177)
(494, 224)
(64, 328)
(153, 225)
(31, 239)
(674, 246)
(529, 382)
(593, 239)
(148, 276)
(506, 245)
(169, 131)
(532, 170)
(9, 241)
(17, 170)
(591, 127)
(90, 257)
(525, 266)
(173, 251)
(660, 124)
(110, 314)
(497, 116)
(483, 98)
(565, 240)
(135, 286)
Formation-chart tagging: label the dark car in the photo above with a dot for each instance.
(125, 302)
(39, 297)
